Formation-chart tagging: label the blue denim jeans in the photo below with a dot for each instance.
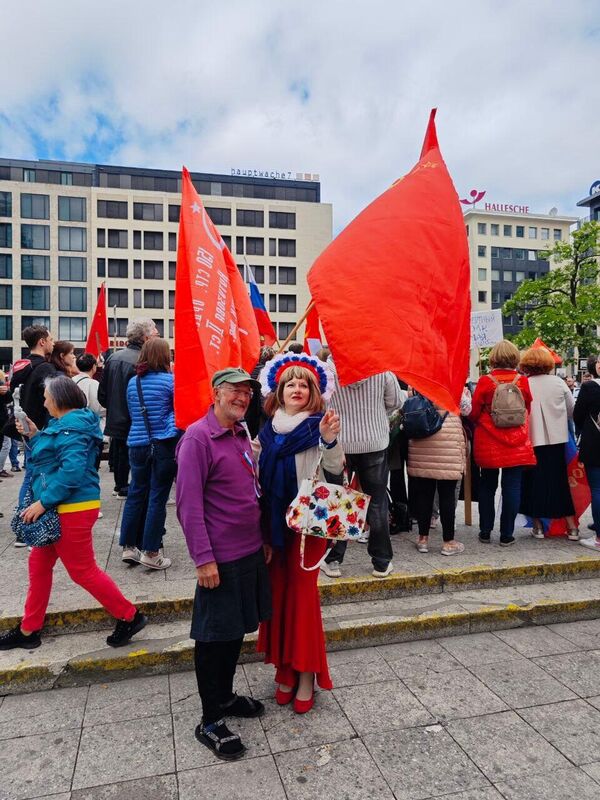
(373, 473)
(13, 453)
(144, 515)
(593, 476)
(511, 499)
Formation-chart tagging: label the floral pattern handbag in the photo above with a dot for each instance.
(327, 511)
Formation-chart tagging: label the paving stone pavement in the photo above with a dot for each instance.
(513, 714)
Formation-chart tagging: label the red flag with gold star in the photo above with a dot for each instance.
(392, 291)
(97, 341)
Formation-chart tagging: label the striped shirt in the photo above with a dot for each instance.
(364, 408)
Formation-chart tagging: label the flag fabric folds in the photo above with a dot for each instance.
(540, 344)
(265, 327)
(393, 289)
(312, 331)
(215, 325)
(97, 341)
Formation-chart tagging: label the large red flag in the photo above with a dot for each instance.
(214, 321)
(393, 289)
(97, 341)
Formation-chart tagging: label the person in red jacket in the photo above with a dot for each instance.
(495, 449)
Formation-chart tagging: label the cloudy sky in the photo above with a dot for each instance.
(337, 87)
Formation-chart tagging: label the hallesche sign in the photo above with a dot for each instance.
(513, 208)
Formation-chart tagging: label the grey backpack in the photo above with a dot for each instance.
(508, 404)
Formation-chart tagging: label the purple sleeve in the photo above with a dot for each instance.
(192, 471)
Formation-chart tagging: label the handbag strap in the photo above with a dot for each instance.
(319, 562)
(143, 409)
(315, 477)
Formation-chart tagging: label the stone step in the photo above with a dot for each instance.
(83, 657)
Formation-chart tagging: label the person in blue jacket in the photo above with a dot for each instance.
(151, 442)
(62, 461)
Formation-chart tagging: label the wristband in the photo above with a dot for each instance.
(328, 445)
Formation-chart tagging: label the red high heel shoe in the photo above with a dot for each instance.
(302, 706)
(283, 698)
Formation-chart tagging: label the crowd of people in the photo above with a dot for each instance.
(239, 468)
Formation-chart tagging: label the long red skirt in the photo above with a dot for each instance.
(293, 639)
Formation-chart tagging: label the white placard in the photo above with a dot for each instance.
(486, 328)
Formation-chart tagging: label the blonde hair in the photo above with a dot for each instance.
(315, 403)
(504, 355)
(537, 361)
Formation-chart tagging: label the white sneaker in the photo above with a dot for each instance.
(131, 555)
(383, 573)
(332, 570)
(100, 515)
(17, 543)
(363, 538)
(155, 562)
(592, 543)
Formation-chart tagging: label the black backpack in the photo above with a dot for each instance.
(420, 418)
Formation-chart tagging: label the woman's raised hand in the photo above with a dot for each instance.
(329, 426)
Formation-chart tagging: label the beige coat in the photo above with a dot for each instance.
(551, 409)
(441, 456)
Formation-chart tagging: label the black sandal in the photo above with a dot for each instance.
(217, 737)
(242, 706)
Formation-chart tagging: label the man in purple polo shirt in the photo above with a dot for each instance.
(218, 508)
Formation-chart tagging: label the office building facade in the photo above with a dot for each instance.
(67, 227)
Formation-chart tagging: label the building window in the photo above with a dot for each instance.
(255, 246)
(272, 275)
(71, 268)
(272, 302)
(118, 297)
(153, 240)
(482, 228)
(153, 298)
(151, 212)
(532, 275)
(6, 327)
(171, 298)
(258, 272)
(137, 270)
(519, 276)
(519, 254)
(6, 270)
(507, 230)
(507, 275)
(72, 298)
(227, 240)
(495, 297)
(282, 219)
(557, 234)
(101, 267)
(74, 329)
(71, 209)
(66, 179)
(174, 212)
(506, 252)
(219, 216)
(481, 274)
(35, 206)
(171, 328)
(520, 231)
(482, 297)
(545, 234)
(507, 296)
(287, 276)
(153, 271)
(121, 328)
(101, 237)
(172, 242)
(531, 255)
(160, 326)
(72, 239)
(172, 270)
(495, 252)
(35, 268)
(250, 219)
(29, 175)
(5, 204)
(117, 238)
(35, 237)
(495, 230)
(287, 247)
(6, 234)
(285, 328)
(117, 268)
(137, 240)
(239, 245)
(287, 302)
(272, 247)
(532, 232)
(35, 298)
(112, 209)
(481, 250)
(137, 298)
(6, 296)
(26, 322)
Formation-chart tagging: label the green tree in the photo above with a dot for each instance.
(563, 306)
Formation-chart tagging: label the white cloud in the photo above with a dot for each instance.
(157, 84)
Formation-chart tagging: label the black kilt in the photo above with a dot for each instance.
(241, 600)
(545, 489)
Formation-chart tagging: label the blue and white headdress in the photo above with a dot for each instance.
(272, 371)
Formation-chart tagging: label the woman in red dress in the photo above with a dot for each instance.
(297, 435)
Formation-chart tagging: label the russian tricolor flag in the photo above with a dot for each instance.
(265, 326)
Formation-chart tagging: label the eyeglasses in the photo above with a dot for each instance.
(240, 392)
